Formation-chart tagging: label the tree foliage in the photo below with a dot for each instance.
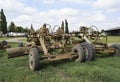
(26, 29)
(62, 25)
(66, 26)
(31, 27)
(3, 22)
(19, 29)
(12, 27)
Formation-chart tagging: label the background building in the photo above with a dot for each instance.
(113, 31)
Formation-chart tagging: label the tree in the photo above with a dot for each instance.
(3, 22)
(102, 31)
(32, 27)
(19, 29)
(26, 29)
(44, 25)
(62, 25)
(66, 26)
(12, 27)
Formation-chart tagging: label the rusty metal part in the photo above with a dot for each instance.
(15, 52)
(41, 39)
(4, 45)
(61, 56)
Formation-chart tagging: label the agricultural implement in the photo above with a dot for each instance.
(4, 45)
(46, 43)
(99, 41)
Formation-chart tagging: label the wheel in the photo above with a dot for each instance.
(4, 42)
(33, 59)
(117, 47)
(88, 51)
(20, 44)
(77, 49)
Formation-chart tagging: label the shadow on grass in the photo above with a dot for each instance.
(44, 64)
(103, 55)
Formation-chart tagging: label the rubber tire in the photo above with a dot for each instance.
(20, 44)
(4, 42)
(33, 59)
(117, 47)
(78, 48)
(1, 47)
(88, 51)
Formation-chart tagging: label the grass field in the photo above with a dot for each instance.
(3, 38)
(103, 69)
(114, 39)
(7, 38)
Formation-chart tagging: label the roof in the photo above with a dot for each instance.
(115, 28)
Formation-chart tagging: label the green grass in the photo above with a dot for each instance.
(113, 39)
(3, 38)
(103, 69)
(23, 39)
(13, 44)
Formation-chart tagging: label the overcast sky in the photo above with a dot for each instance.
(104, 14)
